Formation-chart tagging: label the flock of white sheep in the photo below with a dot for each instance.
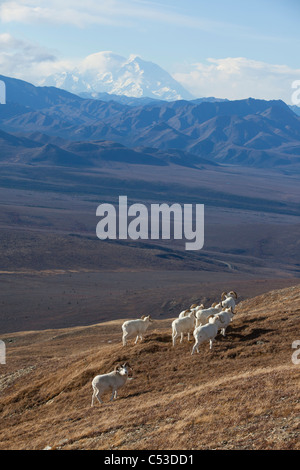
(203, 323)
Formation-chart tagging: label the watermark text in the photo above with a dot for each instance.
(296, 95)
(295, 358)
(2, 352)
(161, 221)
(2, 92)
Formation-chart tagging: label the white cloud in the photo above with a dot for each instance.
(126, 13)
(238, 78)
(27, 60)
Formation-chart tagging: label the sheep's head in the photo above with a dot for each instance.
(127, 367)
(215, 318)
(148, 318)
(212, 318)
(227, 309)
(124, 369)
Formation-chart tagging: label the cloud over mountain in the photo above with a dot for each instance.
(238, 78)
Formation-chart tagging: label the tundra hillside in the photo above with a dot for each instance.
(243, 394)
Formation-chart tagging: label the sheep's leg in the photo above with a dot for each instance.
(124, 339)
(96, 395)
(92, 404)
(223, 331)
(188, 336)
(181, 337)
(211, 343)
(114, 394)
(174, 337)
(195, 347)
(136, 340)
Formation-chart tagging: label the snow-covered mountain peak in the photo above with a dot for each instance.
(108, 72)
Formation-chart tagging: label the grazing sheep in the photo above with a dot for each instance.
(135, 327)
(229, 300)
(180, 326)
(111, 381)
(226, 317)
(206, 332)
(202, 316)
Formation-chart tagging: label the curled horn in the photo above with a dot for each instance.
(142, 317)
(234, 293)
(223, 295)
(193, 306)
(214, 304)
(116, 369)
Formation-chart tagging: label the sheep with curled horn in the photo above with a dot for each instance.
(111, 381)
(229, 299)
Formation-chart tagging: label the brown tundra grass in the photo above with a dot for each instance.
(244, 394)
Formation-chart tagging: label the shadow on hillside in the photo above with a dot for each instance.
(254, 334)
(161, 338)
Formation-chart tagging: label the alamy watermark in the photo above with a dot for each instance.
(2, 352)
(2, 92)
(296, 95)
(161, 221)
(295, 359)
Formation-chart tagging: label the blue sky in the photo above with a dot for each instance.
(195, 40)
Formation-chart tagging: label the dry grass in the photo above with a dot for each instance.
(242, 395)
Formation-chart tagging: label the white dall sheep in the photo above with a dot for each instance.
(180, 326)
(226, 317)
(229, 300)
(135, 327)
(206, 332)
(111, 381)
(203, 315)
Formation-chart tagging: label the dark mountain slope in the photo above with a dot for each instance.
(248, 132)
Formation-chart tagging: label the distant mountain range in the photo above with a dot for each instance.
(50, 125)
(112, 73)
